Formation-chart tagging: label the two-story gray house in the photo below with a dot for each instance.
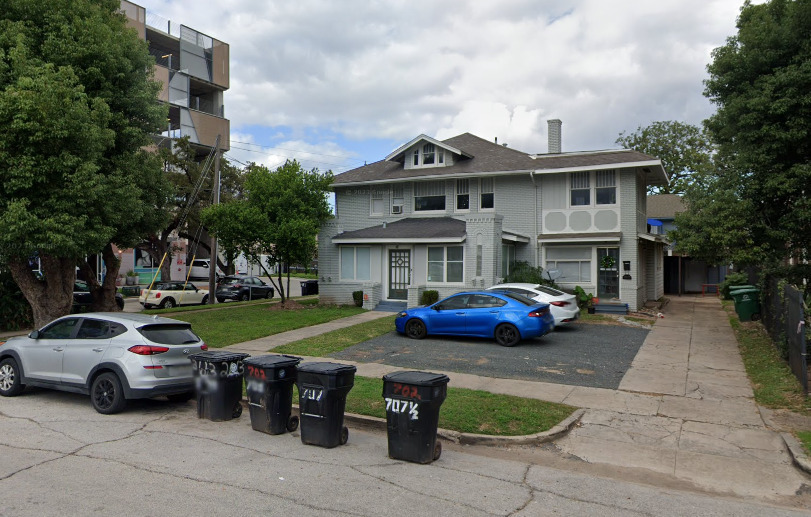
(456, 214)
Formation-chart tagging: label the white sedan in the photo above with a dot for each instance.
(172, 294)
(563, 305)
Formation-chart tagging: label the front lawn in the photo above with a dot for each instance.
(227, 326)
(337, 340)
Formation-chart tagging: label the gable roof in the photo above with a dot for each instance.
(665, 206)
(399, 153)
(488, 158)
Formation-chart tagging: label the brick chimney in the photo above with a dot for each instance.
(555, 143)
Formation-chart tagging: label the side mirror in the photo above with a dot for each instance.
(34, 334)
(437, 307)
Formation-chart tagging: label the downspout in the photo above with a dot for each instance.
(536, 259)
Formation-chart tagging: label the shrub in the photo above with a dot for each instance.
(523, 272)
(15, 312)
(583, 299)
(357, 296)
(429, 297)
(732, 279)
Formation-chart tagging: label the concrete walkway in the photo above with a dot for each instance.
(684, 410)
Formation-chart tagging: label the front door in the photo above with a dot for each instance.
(399, 274)
(608, 273)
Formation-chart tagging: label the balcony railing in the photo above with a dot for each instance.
(162, 24)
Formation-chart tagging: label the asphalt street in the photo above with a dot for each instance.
(590, 355)
(59, 457)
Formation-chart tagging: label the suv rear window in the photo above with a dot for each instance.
(229, 281)
(169, 334)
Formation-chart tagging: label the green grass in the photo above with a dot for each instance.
(337, 340)
(805, 439)
(467, 411)
(773, 382)
(227, 326)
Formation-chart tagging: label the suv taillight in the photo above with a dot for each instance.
(148, 349)
(204, 347)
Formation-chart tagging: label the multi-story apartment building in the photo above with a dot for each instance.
(194, 70)
(456, 214)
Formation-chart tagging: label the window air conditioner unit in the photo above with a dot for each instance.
(397, 209)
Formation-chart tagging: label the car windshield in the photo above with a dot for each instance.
(520, 298)
(169, 333)
(548, 290)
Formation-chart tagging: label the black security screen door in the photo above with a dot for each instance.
(399, 274)
(608, 273)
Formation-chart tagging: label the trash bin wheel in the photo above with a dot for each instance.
(237, 410)
(344, 435)
(756, 316)
(292, 424)
(437, 450)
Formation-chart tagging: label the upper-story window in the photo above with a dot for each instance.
(427, 155)
(486, 194)
(429, 196)
(602, 183)
(397, 199)
(378, 201)
(462, 195)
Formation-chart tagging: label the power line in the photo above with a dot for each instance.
(285, 156)
(285, 149)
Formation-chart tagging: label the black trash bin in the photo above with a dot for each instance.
(218, 383)
(412, 414)
(309, 287)
(322, 389)
(269, 383)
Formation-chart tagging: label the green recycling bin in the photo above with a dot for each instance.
(733, 288)
(747, 303)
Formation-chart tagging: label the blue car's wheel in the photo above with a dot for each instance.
(507, 335)
(415, 329)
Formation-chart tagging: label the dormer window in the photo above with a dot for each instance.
(428, 154)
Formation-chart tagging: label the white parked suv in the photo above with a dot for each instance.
(563, 305)
(200, 269)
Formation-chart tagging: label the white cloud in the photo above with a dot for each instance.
(395, 69)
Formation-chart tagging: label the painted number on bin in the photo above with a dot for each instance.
(403, 406)
(258, 373)
(312, 394)
(404, 390)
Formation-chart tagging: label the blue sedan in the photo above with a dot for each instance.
(507, 317)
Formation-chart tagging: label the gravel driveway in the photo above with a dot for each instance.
(580, 355)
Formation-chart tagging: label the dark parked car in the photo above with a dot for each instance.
(242, 288)
(82, 299)
(505, 316)
(111, 357)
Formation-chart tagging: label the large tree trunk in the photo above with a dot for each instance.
(49, 298)
(103, 294)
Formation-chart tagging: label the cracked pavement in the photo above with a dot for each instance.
(61, 457)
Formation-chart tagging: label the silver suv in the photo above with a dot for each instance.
(110, 356)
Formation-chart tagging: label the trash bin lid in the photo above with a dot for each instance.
(219, 355)
(326, 368)
(748, 290)
(272, 361)
(417, 378)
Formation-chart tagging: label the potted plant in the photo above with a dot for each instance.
(584, 300)
(357, 297)
(132, 277)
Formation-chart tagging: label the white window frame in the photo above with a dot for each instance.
(425, 189)
(354, 249)
(379, 196)
(462, 188)
(594, 181)
(584, 264)
(397, 199)
(445, 262)
(490, 184)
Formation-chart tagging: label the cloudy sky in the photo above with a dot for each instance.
(335, 84)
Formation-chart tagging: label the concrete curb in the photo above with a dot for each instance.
(797, 451)
(558, 431)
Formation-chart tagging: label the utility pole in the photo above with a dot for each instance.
(212, 272)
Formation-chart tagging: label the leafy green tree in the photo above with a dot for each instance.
(279, 217)
(683, 148)
(760, 81)
(192, 183)
(77, 105)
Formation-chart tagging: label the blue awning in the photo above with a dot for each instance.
(655, 222)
